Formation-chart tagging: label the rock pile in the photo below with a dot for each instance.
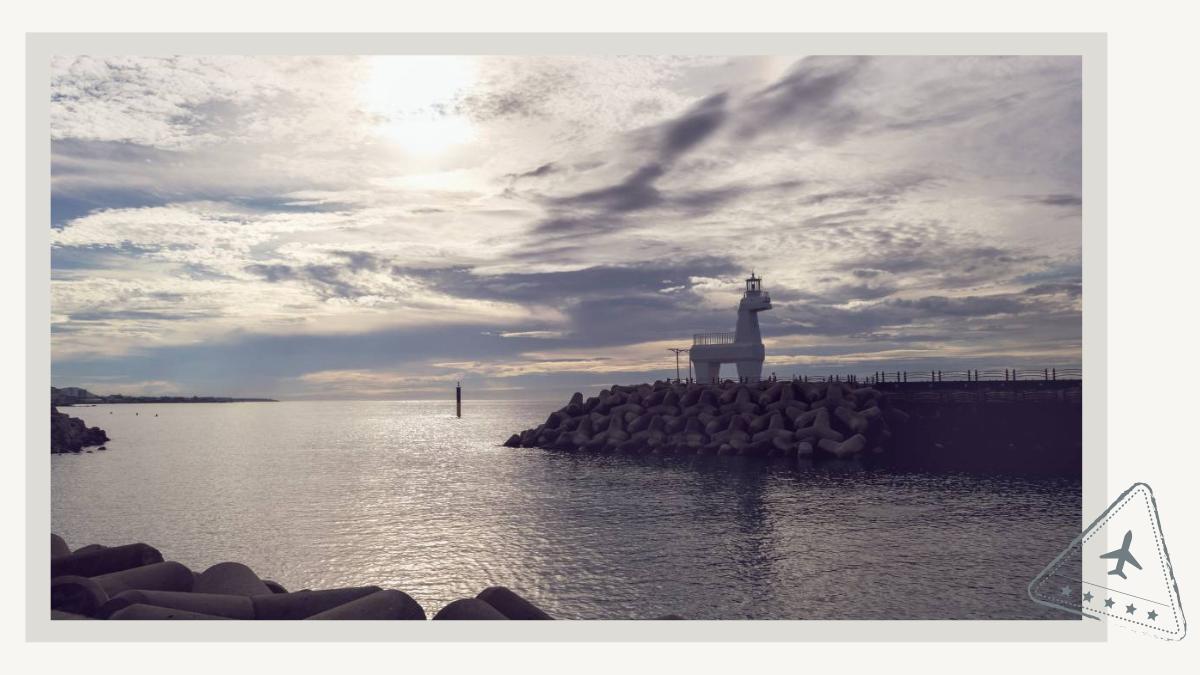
(134, 582)
(70, 434)
(765, 419)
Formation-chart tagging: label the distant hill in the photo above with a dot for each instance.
(76, 395)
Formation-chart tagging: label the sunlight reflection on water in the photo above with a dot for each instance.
(401, 494)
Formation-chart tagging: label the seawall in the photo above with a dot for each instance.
(1010, 428)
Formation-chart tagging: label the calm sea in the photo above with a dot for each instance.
(402, 495)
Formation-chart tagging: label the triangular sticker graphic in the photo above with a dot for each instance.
(1118, 570)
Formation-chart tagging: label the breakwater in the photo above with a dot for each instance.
(134, 582)
(978, 427)
(71, 434)
(1015, 428)
(761, 419)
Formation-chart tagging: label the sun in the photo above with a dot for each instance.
(412, 99)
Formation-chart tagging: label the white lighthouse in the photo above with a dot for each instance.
(744, 346)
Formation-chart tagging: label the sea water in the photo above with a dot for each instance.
(403, 495)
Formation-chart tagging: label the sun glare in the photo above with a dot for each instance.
(413, 99)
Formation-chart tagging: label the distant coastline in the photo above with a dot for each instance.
(69, 396)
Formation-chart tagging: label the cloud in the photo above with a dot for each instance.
(693, 127)
(543, 170)
(1065, 200)
(807, 98)
(248, 221)
(535, 334)
(637, 192)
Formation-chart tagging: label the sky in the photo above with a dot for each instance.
(382, 227)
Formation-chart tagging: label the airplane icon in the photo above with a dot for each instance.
(1122, 556)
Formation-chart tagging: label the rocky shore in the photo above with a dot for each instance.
(133, 582)
(70, 434)
(788, 418)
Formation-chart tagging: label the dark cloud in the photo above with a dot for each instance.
(139, 315)
(88, 176)
(634, 193)
(272, 273)
(567, 225)
(637, 191)
(543, 170)
(880, 192)
(1064, 200)
(563, 288)
(360, 260)
(328, 281)
(806, 99)
(941, 306)
(951, 318)
(1068, 272)
(697, 124)
(863, 273)
(1071, 290)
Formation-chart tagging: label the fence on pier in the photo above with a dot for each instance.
(897, 377)
(993, 375)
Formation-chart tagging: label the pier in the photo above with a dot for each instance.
(1013, 427)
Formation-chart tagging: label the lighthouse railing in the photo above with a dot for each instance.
(713, 339)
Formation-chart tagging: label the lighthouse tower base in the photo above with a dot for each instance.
(743, 347)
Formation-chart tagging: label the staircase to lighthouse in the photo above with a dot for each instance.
(743, 347)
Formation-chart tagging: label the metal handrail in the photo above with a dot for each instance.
(713, 338)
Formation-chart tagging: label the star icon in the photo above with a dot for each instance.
(1152, 615)
(1087, 597)
(1066, 591)
(1108, 602)
(1130, 609)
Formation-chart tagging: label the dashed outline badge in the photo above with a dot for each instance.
(1118, 569)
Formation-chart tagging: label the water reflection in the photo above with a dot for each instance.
(402, 494)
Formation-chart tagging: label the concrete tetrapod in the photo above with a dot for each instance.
(230, 578)
(97, 561)
(381, 605)
(511, 605)
(758, 419)
(76, 594)
(163, 576)
(226, 606)
(468, 609)
(303, 604)
(152, 613)
(58, 547)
